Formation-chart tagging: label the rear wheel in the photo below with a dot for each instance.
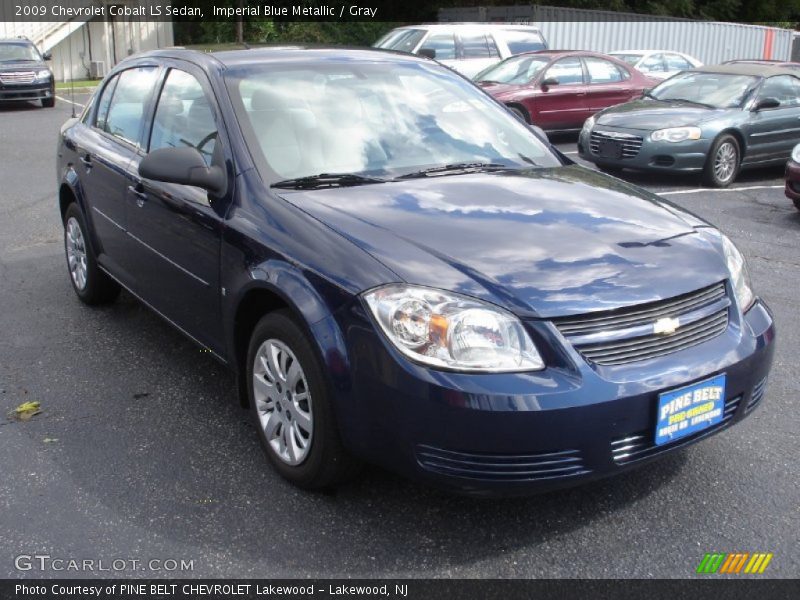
(291, 407)
(722, 164)
(90, 283)
(796, 204)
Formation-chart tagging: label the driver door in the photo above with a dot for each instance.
(177, 228)
(564, 105)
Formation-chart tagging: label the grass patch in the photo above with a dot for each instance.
(60, 85)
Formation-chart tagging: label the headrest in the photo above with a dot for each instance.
(266, 99)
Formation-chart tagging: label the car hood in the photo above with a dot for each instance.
(652, 114)
(544, 242)
(22, 65)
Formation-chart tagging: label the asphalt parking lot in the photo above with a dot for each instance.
(141, 451)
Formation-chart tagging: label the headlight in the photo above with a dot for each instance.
(447, 330)
(676, 134)
(589, 123)
(796, 154)
(739, 276)
(43, 75)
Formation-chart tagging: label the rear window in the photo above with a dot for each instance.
(519, 41)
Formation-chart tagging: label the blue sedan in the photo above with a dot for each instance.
(401, 272)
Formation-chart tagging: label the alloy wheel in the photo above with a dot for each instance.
(725, 162)
(76, 253)
(283, 401)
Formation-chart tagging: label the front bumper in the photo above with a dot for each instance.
(521, 433)
(688, 156)
(18, 93)
(792, 188)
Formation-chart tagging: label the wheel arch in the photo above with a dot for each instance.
(737, 134)
(520, 107)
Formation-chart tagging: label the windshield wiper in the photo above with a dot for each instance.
(457, 169)
(692, 102)
(322, 180)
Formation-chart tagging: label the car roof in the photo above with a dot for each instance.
(471, 26)
(753, 69)
(236, 54)
(20, 41)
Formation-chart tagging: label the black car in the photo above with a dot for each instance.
(24, 75)
(401, 271)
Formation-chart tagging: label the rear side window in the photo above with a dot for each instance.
(476, 45)
(184, 117)
(444, 44)
(603, 71)
(519, 41)
(104, 102)
(126, 110)
(676, 62)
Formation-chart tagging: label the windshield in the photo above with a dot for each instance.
(12, 52)
(718, 90)
(519, 70)
(377, 119)
(404, 40)
(631, 59)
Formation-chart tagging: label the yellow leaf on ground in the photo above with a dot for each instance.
(26, 410)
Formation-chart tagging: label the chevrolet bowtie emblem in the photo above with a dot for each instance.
(666, 326)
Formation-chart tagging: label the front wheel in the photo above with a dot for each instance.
(90, 283)
(722, 164)
(290, 405)
(48, 102)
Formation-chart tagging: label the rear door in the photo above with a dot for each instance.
(608, 84)
(773, 132)
(562, 105)
(177, 228)
(105, 150)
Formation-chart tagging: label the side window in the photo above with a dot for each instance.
(443, 43)
(519, 41)
(602, 71)
(184, 116)
(653, 64)
(475, 45)
(784, 88)
(567, 71)
(676, 62)
(104, 102)
(126, 111)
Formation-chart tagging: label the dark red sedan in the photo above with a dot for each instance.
(559, 90)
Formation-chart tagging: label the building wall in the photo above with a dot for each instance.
(605, 31)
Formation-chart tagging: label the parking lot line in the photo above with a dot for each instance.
(736, 189)
(69, 101)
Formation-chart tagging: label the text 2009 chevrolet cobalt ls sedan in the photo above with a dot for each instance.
(401, 272)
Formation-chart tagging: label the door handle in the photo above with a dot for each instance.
(139, 193)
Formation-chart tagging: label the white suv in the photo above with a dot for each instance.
(468, 48)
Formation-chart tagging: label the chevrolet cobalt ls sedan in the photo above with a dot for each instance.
(399, 271)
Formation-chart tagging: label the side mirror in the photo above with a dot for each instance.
(427, 53)
(184, 166)
(765, 103)
(546, 83)
(47, 56)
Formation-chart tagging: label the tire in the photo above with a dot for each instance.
(48, 102)
(723, 162)
(90, 283)
(796, 204)
(291, 408)
(519, 113)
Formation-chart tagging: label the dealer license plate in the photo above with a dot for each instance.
(609, 149)
(690, 409)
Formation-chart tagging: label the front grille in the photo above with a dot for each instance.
(631, 144)
(641, 445)
(757, 396)
(628, 335)
(502, 467)
(17, 77)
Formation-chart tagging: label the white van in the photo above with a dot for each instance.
(468, 48)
